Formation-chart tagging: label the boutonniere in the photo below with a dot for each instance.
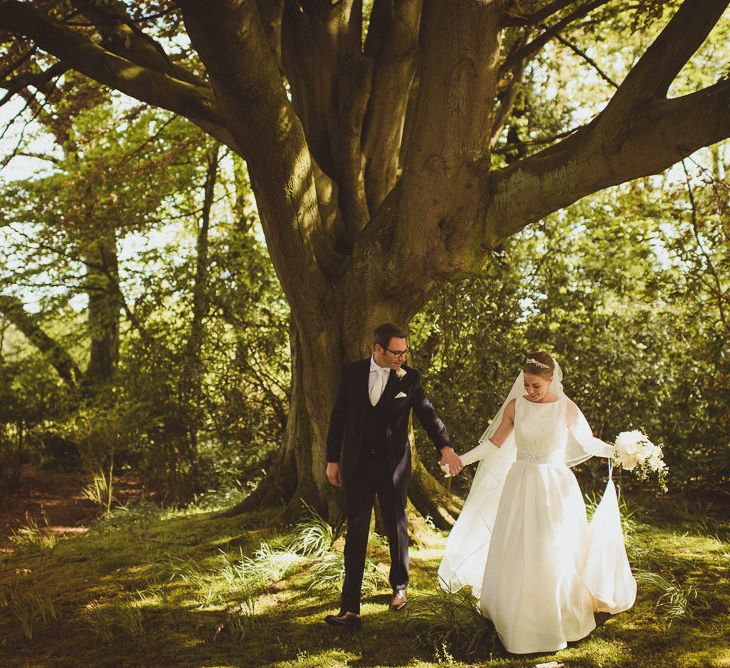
(400, 372)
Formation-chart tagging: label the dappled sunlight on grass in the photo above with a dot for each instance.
(168, 588)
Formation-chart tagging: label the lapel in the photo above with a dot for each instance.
(362, 381)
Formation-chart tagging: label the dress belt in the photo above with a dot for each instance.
(554, 458)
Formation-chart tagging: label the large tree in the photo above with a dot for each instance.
(368, 139)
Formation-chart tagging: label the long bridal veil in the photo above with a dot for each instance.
(607, 573)
(465, 556)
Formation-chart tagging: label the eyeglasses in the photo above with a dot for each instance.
(397, 353)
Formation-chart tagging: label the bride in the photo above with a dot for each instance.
(522, 541)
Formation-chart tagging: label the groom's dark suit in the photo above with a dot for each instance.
(371, 443)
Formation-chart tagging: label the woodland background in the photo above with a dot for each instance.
(145, 335)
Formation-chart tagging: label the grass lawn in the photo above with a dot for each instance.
(158, 588)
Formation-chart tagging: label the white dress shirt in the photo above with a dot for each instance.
(377, 381)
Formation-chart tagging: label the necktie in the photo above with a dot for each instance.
(381, 377)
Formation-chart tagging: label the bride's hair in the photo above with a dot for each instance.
(540, 364)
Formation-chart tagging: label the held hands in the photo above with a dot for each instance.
(333, 474)
(450, 461)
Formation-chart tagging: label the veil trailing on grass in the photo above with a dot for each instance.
(467, 548)
(465, 556)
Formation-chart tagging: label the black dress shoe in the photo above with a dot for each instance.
(346, 619)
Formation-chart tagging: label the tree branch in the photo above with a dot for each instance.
(330, 84)
(517, 59)
(392, 47)
(194, 102)
(588, 59)
(14, 65)
(38, 80)
(639, 133)
(507, 100)
(515, 19)
(657, 135)
(15, 312)
(531, 48)
(248, 85)
(511, 147)
(122, 36)
(653, 74)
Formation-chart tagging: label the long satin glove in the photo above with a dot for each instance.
(478, 453)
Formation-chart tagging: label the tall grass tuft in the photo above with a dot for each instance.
(676, 602)
(107, 620)
(450, 624)
(192, 574)
(34, 537)
(240, 620)
(100, 489)
(314, 536)
(31, 608)
(217, 499)
(244, 579)
(139, 515)
(329, 573)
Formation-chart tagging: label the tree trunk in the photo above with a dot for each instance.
(356, 235)
(102, 288)
(191, 376)
(299, 472)
(27, 323)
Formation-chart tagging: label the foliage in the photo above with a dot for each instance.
(125, 182)
(629, 290)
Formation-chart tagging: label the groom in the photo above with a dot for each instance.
(368, 454)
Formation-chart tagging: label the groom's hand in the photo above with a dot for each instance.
(333, 474)
(450, 458)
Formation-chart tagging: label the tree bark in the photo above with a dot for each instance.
(191, 375)
(360, 222)
(299, 471)
(27, 323)
(102, 289)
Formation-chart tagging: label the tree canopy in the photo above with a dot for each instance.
(392, 145)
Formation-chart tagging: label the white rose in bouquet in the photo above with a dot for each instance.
(628, 449)
(629, 460)
(634, 451)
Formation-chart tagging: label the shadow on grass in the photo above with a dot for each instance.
(128, 595)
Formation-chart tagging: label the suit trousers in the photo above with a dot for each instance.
(373, 477)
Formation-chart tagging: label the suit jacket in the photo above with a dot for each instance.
(345, 435)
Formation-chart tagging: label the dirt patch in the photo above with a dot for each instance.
(56, 497)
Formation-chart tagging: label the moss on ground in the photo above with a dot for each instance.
(154, 587)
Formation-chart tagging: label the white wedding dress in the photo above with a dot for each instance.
(522, 540)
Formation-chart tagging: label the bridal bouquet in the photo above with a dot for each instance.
(633, 451)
